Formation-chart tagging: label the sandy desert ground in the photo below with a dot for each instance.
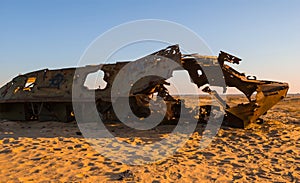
(57, 152)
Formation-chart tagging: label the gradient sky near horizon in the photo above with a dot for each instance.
(54, 34)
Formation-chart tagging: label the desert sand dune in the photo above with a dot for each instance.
(57, 152)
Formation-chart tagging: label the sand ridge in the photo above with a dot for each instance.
(57, 152)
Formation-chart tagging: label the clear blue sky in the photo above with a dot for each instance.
(54, 34)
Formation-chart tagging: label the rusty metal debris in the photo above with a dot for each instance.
(47, 94)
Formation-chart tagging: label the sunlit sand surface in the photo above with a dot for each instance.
(57, 152)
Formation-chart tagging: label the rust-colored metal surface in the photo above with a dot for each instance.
(47, 94)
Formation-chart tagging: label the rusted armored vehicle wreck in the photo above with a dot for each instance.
(47, 94)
